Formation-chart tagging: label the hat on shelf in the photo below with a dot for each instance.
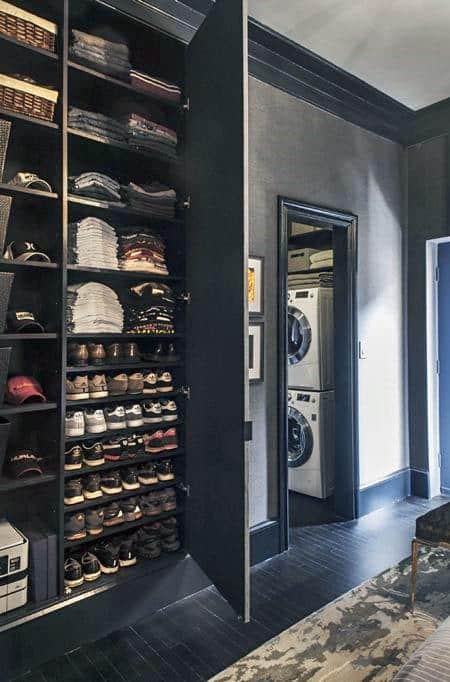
(24, 463)
(31, 181)
(22, 321)
(20, 389)
(25, 251)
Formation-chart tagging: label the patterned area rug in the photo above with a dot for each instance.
(367, 634)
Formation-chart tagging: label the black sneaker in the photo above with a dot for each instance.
(168, 499)
(132, 447)
(73, 458)
(110, 483)
(127, 552)
(151, 504)
(113, 515)
(75, 526)
(131, 509)
(94, 521)
(113, 450)
(147, 474)
(170, 543)
(73, 491)
(130, 479)
(140, 444)
(90, 566)
(91, 486)
(168, 526)
(146, 534)
(149, 550)
(165, 471)
(73, 573)
(107, 554)
(93, 453)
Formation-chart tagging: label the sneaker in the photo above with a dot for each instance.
(97, 386)
(73, 491)
(135, 383)
(73, 573)
(165, 471)
(164, 382)
(168, 526)
(133, 415)
(73, 458)
(95, 421)
(151, 504)
(131, 509)
(150, 382)
(149, 550)
(91, 566)
(91, 487)
(147, 474)
(152, 412)
(148, 533)
(170, 543)
(75, 526)
(107, 554)
(171, 353)
(170, 439)
(132, 446)
(115, 417)
(111, 483)
(127, 552)
(154, 442)
(169, 411)
(114, 451)
(168, 499)
(74, 424)
(113, 514)
(130, 480)
(94, 521)
(140, 444)
(77, 389)
(93, 453)
(117, 385)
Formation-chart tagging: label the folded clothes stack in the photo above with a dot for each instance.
(145, 134)
(97, 124)
(93, 243)
(144, 251)
(153, 310)
(154, 198)
(155, 86)
(307, 281)
(93, 308)
(97, 186)
(322, 259)
(112, 58)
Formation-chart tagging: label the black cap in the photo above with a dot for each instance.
(22, 321)
(24, 251)
(24, 464)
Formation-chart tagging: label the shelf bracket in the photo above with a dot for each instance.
(186, 106)
(187, 202)
(186, 489)
(186, 391)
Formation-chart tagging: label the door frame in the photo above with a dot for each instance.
(336, 220)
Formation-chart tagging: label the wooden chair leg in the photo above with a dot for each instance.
(414, 562)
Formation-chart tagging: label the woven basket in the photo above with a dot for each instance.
(26, 27)
(25, 98)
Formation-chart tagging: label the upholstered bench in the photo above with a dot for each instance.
(432, 530)
(431, 661)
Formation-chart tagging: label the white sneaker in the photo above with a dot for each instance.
(115, 417)
(169, 411)
(134, 415)
(152, 413)
(95, 421)
(75, 423)
(150, 382)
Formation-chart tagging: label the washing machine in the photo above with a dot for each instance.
(311, 338)
(311, 442)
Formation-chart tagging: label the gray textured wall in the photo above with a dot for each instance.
(301, 152)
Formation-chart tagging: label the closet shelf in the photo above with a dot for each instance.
(8, 484)
(124, 210)
(23, 118)
(312, 272)
(156, 153)
(118, 433)
(107, 499)
(6, 410)
(9, 40)
(121, 366)
(124, 274)
(136, 397)
(124, 336)
(18, 265)
(28, 337)
(15, 189)
(132, 461)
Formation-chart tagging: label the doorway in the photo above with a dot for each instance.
(317, 370)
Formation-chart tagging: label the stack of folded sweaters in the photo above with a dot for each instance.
(97, 124)
(310, 280)
(151, 310)
(93, 308)
(145, 134)
(154, 198)
(112, 58)
(93, 243)
(97, 186)
(157, 87)
(142, 250)
(321, 259)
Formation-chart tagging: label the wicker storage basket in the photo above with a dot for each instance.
(27, 27)
(27, 98)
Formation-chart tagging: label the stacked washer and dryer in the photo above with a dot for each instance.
(311, 411)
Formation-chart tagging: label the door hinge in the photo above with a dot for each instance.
(248, 431)
(187, 202)
(186, 297)
(436, 274)
(186, 489)
(438, 366)
(186, 104)
(186, 391)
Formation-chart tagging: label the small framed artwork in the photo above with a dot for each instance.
(256, 351)
(256, 285)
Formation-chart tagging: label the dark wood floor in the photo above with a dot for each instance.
(199, 636)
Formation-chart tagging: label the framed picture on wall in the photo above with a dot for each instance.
(256, 351)
(256, 285)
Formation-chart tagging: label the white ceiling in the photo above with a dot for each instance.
(402, 47)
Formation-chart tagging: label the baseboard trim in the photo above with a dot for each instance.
(420, 483)
(395, 487)
(264, 541)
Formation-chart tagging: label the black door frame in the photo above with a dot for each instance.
(346, 410)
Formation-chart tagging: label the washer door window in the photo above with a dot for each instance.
(299, 335)
(300, 439)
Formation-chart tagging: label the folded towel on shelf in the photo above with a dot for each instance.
(327, 263)
(155, 86)
(321, 255)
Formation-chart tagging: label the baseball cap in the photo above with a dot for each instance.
(31, 180)
(22, 321)
(19, 389)
(24, 463)
(24, 251)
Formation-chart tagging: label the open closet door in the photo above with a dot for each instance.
(217, 335)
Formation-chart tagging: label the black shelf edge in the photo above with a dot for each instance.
(146, 428)
(127, 398)
(28, 337)
(8, 484)
(31, 48)
(125, 274)
(121, 365)
(28, 119)
(123, 527)
(5, 410)
(152, 154)
(17, 265)
(15, 189)
(126, 210)
(132, 461)
(124, 336)
(106, 499)
(121, 84)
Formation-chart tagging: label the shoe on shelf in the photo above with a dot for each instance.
(73, 573)
(113, 353)
(150, 549)
(140, 444)
(147, 474)
(73, 458)
(135, 383)
(77, 388)
(132, 447)
(91, 486)
(170, 543)
(111, 483)
(74, 424)
(107, 554)
(95, 421)
(131, 509)
(152, 412)
(154, 442)
(169, 411)
(168, 499)
(91, 566)
(113, 450)
(93, 453)
(97, 386)
(150, 383)
(117, 384)
(94, 521)
(97, 354)
(157, 354)
(171, 353)
(115, 417)
(73, 491)
(127, 552)
(130, 352)
(113, 514)
(78, 354)
(130, 480)
(165, 471)
(151, 504)
(164, 382)
(170, 439)
(169, 526)
(75, 526)
(134, 416)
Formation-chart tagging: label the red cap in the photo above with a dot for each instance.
(21, 388)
